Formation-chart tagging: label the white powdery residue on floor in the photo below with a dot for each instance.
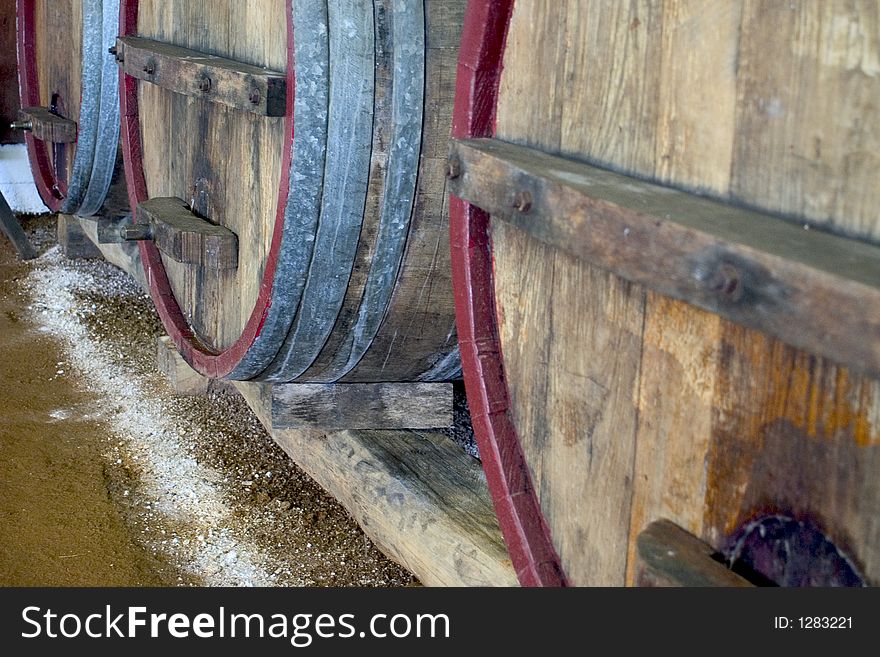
(17, 181)
(181, 489)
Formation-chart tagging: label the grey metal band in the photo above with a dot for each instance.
(346, 176)
(447, 367)
(398, 196)
(87, 126)
(108, 117)
(303, 205)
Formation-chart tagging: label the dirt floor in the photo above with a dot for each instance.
(109, 479)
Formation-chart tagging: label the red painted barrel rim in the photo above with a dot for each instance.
(200, 356)
(519, 513)
(51, 190)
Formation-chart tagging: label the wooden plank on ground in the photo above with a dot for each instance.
(217, 79)
(416, 494)
(12, 229)
(361, 405)
(765, 273)
(667, 555)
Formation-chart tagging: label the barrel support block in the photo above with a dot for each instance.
(360, 405)
(73, 239)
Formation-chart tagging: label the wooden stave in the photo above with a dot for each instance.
(94, 165)
(269, 323)
(820, 380)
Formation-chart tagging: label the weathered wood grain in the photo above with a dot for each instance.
(46, 126)
(361, 405)
(73, 240)
(766, 105)
(124, 255)
(571, 407)
(585, 365)
(217, 79)
(680, 346)
(670, 556)
(416, 494)
(186, 238)
(226, 164)
(182, 378)
(807, 139)
(757, 270)
(59, 65)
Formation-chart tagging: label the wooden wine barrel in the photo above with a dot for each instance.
(287, 160)
(601, 401)
(69, 94)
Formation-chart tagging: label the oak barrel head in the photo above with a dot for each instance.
(342, 263)
(68, 85)
(601, 406)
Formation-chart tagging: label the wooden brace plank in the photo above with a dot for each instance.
(814, 290)
(183, 378)
(669, 556)
(186, 238)
(111, 229)
(361, 405)
(46, 126)
(217, 79)
(73, 239)
(13, 230)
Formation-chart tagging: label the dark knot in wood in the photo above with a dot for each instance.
(453, 168)
(726, 281)
(205, 84)
(523, 201)
(149, 69)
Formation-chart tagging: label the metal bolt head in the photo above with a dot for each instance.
(149, 69)
(205, 84)
(453, 168)
(254, 97)
(522, 202)
(136, 232)
(112, 50)
(21, 125)
(726, 282)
